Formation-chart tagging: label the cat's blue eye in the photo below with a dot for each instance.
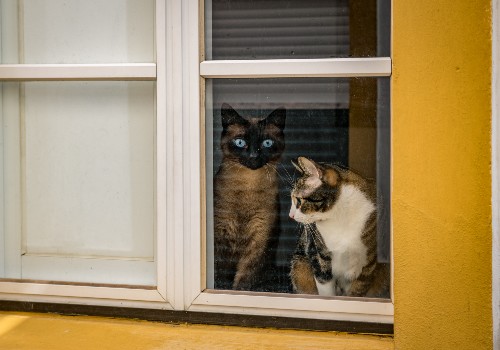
(267, 143)
(240, 143)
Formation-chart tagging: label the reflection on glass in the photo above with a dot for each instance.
(77, 31)
(297, 174)
(265, 29)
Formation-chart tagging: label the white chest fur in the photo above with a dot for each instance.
(341, 228)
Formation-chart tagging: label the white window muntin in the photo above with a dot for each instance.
(297, 68)
(68, 72)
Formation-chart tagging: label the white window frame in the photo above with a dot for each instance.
(180, 73)
(196, 299)
(131, 296)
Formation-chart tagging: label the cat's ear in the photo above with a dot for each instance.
(277, 117)
(230, 116)
(309, 167)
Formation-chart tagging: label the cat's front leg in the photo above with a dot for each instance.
(225, 257)
(374, 281)
(252, 260)
(301, 270)
(326, 288)
(249, 267)
(360, 286)
(302, 276)
(321, 262)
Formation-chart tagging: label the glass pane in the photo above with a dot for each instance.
(77, 31)
(266, 29)
(257, 235)
(78, 167)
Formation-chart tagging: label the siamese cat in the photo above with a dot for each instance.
(246, 206)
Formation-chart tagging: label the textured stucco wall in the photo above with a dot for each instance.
(441, 174)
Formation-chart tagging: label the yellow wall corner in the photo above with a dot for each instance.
(441, 174)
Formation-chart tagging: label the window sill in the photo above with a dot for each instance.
(22, 330)
(204, 318)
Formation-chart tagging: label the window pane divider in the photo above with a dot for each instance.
(280, 68)
(112, 71)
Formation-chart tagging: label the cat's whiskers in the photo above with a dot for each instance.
(289, 178)
(268, 174)
(231, 165)
(288, 183)
(234, 165)
(272, 167)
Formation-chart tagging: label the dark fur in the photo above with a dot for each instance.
(246, 205)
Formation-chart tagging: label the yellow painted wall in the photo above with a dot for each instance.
(441, 174)
(441, 177)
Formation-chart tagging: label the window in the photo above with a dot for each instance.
(323, 67)
(82, 163)
(112, 123)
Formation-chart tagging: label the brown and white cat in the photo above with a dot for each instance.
(336, 253)
(246, 206)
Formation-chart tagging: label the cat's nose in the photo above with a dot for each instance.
(253, 154)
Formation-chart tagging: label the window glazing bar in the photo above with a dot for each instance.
(41, 72)
(281, 68)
